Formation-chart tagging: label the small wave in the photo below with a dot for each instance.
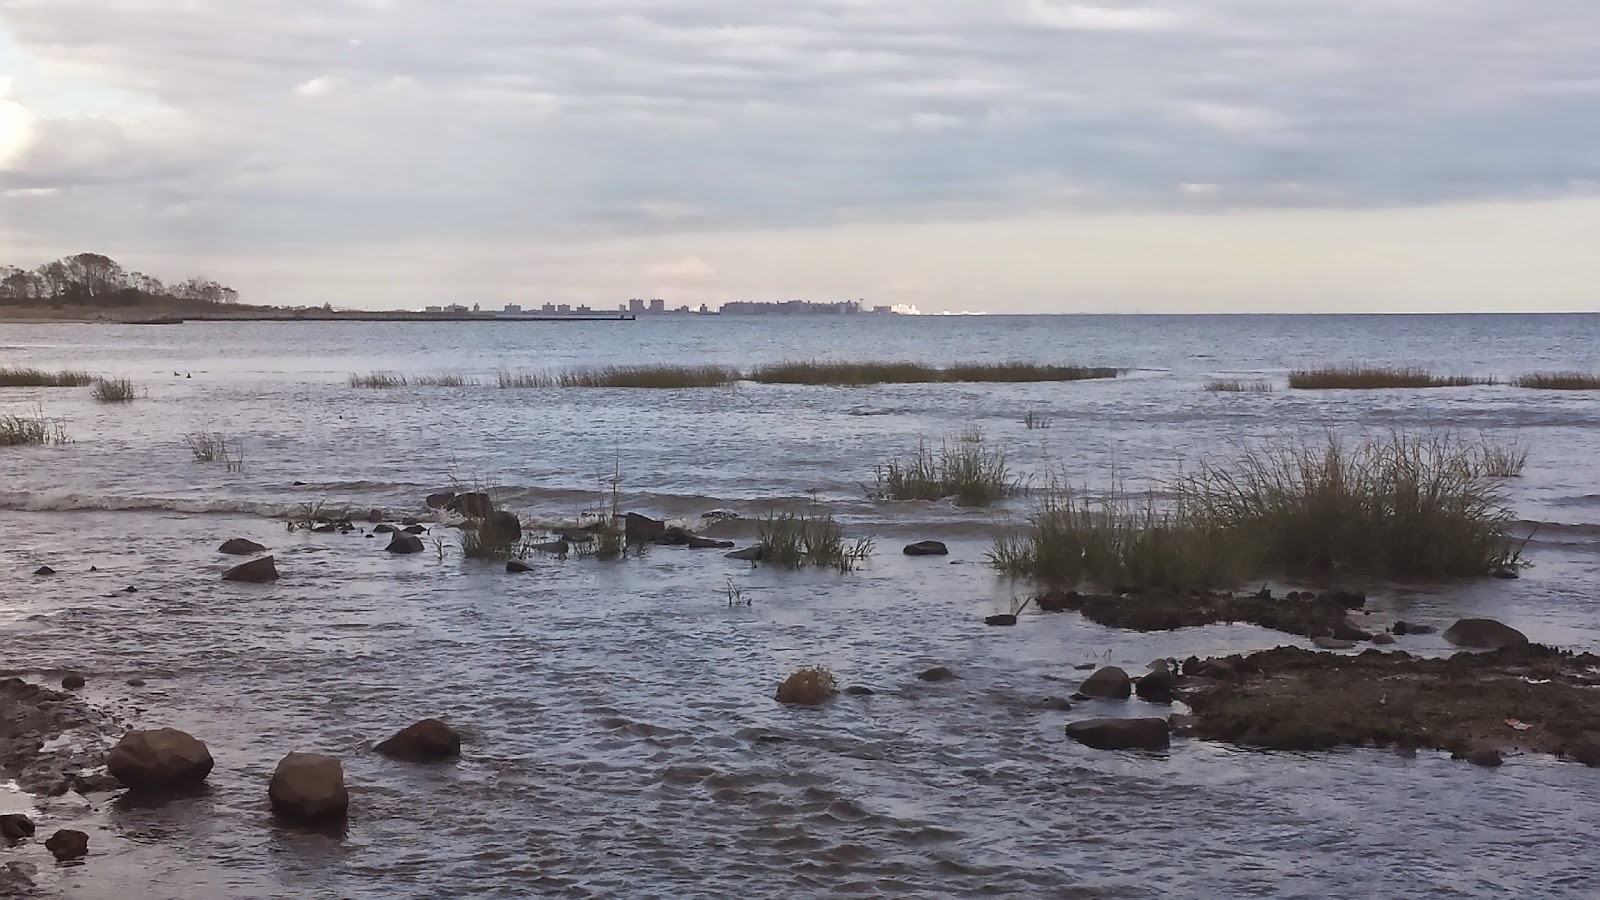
(24, 501)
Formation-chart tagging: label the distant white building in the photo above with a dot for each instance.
(433, 309)
(514, 308)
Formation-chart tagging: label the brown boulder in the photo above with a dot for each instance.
(1109, 683)
(159, 759)
(1484, 633)
(67, 844)
(240, 547)
(926, 548)
(504, 526)
(937, 673)
(424, 741)
(256, 571)
(441, 499)
(405, 543)
(1122, 734)
(1157, 686)
(309, 788)
(15, 826)
(637, 529)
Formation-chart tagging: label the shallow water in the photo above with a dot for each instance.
(621, 737)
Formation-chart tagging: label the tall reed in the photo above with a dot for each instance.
(378, 380)
(17, 430)
(818, 372)
(967, 469)
(1239, 386)
(16, 376)
(113, 390)
(640, 376)
(1560, 381)
(1375, 377)
(791, 540)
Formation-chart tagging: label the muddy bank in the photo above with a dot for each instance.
(50, 740)
(1293, 699)
(1307, 614)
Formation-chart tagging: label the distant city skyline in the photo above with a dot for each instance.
(1007, 157)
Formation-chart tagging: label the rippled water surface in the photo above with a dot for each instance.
(621, 739)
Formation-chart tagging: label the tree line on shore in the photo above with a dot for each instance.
(92, 279)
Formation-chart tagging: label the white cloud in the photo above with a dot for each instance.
(315, 87)
(1087, 17)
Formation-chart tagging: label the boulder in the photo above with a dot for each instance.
(441, 500)
(72, 681)
(309, 788)
(1383, 638)
(426, 741)
(1344, 631)
(159, 759)
(639, 529)
(1508, 573)
(505, 526)
(1122, 734)
(554, 548)
(385, 529)
(1587, 753)
(696, 542)
(1157, 686)
(674, 536)
(574, 535)
(1484, 633)
(517, 567)
(67, 844)
(14, 827)
(374, 516)
(136, 682)
(937, 673)
(474, 505)
(1413, 628)
(1488, 757)
(414, 529)
(42, 571)
(1001, 620)
(256, 571)
(240, 547)
(856, 690)
(926, 548)
(1328, 643)
(1109, 683)
(405, 543)
(748, 554)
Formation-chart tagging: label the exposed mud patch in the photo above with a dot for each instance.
(1311, 615)
(48, 739)
(1293, 699)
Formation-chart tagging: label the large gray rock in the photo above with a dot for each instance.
(926, 548)
(1122, 734)
(404, 543)
(1110, 683)
(1484, 633)
(309, 788)
(425, 741)
(256, 571)
(240, 547)
(159, 759)
(639, 529)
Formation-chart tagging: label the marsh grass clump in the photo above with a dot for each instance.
(36, 428)
(1239, 386)
(665, 377)
(818, 372)
(445, 380)
(378, 380)
(505, 379)
(16, 376)
(113, 390)
(1035, 421)
(967, 469)
(1559, 381)
(1375, 377)
(1502, 460)
(214, 446)
(791, 540)
(811, 686)
(485, 541)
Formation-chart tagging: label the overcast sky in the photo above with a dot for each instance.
(997, 155)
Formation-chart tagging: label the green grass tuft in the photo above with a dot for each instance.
(1239, 386)
(378, 380)
(966, 469)
(795, 541)
(816, 372)
(29, 377)
(113, 390)
(1375, 377)
(36, 428)
(1560, 381)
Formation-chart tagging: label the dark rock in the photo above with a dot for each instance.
(240, 547)
(15, 826)
(1109, 683)
(554, 548)
(328, 528)
(1219, 671)
(1084, 667)
(1403, 628)
(1055, 704)
(639, 529)
(374, 516)
(414, 529)
(1487, 757)
(749, 554)
(696, 542)
(475, 505)
(1157, 686)
(505, 526)
(385, 529)
(1328, 643)
(67, 844)
(72, 681)
(136, 682)
(937, 673)
(309, 788)
(1507, 572)
(1001, 620)
(101, 783)
(1193, 666)
(1383, 638)
(674, 536)
(857, 690)
(43, 571)
(441, 500)
(927, 548)
(1344, 631)
(159, 759)
(1346, 599)
(409, 521)
(426, 741)
(1122, 734)
(256, 571)
(574, 535)
(405, 543)
(1586, 753)
(130, 589)
(1484, 633)
(517, 567)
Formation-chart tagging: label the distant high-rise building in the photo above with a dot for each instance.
(513, 308)
(658, 305)
(636, 305)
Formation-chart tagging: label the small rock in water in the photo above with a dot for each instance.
(73, 681)
(415, 529)
(927, 548)
(1328, 643)
(385, 529)
(639, 529)
(159, 759)
(517, 567)
(309, 788)
(1056, 704)
(1084, 667)
(1001, 620)
(696, 542)
(749, 554)
(1157, 686)
(67, 844)
(135, 682)
(405, 543)
(554, 548)
(15, 826)
(1383, 638)
(1109, 683)
(240, 547)
(937, 673)
(1122, 734)
(43, 571)
(1507, 572)
(1484, 633)
(857, 690)
(425, 741)
(1487, 757)
(130, 589)
(256, 571)
(441, 499)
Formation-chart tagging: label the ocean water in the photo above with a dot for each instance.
(621, 736)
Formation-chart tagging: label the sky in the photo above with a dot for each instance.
(1004, 156)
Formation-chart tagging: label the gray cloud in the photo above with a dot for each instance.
(278, 123)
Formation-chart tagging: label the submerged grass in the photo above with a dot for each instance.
(34, 428)
(817, 372)
(810, 686)
(113, 390)
(967, 469)
(1403, 505)
(791, 540)
(378, 380)
(445, 380)
(665, 377)
(1239, 386)
(1560, 381)
(1374, 377)
(16, 376)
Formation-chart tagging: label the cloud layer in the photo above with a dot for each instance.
(279, 127)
